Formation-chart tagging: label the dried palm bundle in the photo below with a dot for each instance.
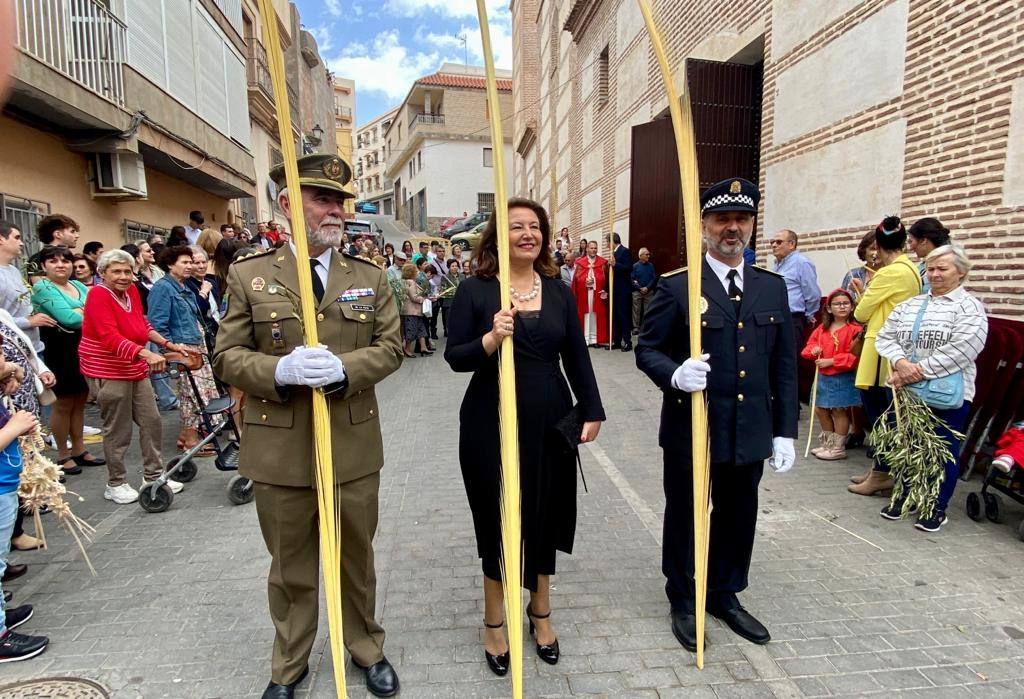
(41, 487)
(906, 438)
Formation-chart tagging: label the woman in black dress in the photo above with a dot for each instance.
(546, 330)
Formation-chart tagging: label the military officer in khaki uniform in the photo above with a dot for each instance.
(260, 351)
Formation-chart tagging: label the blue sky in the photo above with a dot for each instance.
(386, 44)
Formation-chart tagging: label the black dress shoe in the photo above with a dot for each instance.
(14, 572)
(684, 626)
(80, 460)
(497, 663)
(743, 624)
(284, 691)
(549, 653)
(381, 678)
(627, 348)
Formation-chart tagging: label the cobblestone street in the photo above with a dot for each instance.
(856, 605)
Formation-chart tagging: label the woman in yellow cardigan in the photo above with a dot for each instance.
(897, 281)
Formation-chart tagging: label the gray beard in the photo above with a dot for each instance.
(321, 239)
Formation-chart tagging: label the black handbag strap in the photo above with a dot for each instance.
(579, 462)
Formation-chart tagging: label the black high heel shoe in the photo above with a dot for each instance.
(497, 663)
(547, 653)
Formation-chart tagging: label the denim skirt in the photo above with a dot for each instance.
(837, 391)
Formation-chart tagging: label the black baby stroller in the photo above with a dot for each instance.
(216, 420)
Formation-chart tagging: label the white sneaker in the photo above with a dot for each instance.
(174, 485)
(91, 430)
(123, 494)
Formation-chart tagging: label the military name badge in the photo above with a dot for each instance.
(361, 307)
(258, 283)
(703, 305)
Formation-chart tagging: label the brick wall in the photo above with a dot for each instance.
(961, 59)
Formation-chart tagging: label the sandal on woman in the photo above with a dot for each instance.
(497, 663)
(69, 470)
(81, 460)
(549, 653)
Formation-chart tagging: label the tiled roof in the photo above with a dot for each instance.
(470, 81)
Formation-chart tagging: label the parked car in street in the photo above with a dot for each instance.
(467, 224)
(358, 228)
(448, 223)
(471, 238)
(366, 207)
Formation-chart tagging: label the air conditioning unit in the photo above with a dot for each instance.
(118, 175)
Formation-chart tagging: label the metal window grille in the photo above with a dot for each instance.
(602, 78)
(485, 201)
(488, 157)
(136, 232)
(25, 214)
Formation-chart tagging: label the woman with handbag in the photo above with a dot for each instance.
(547, 340)
(63, 299)
(937, 336)
(896, 281)
(173, 313)
(414, 324)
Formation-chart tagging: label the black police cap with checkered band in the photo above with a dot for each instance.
(735, 194)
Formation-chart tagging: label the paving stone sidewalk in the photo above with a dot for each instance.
(856, 605)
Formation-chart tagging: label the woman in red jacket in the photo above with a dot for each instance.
(113, 356)
(829, 347)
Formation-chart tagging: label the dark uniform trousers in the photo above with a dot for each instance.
(733, 520)
(288, 519)
(751, 398)
(622, 297)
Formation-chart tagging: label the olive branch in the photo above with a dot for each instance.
(906, 438)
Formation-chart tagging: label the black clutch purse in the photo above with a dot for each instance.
(570, 430)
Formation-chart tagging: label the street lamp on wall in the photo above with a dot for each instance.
(316, 136)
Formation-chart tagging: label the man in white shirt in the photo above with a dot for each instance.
(194, 227)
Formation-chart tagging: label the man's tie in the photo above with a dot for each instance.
(735, 294)
(318, 286)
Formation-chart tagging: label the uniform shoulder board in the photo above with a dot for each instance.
(360, 259)
(674, 272)
(767, 271)
(253, 254)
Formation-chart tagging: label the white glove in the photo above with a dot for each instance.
(692, 375)
(783, 454)
(309, 366)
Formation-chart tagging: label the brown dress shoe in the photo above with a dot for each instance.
(861, 477)
(877, 483)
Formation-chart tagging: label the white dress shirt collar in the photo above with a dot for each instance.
(324, 261)
(722, 270)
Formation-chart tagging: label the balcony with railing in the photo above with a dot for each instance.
(79, 38)
(427, 120)
(343, 113)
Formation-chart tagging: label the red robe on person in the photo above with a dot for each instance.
(598, 271)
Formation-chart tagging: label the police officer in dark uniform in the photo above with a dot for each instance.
(750, 375)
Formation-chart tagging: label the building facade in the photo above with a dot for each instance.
(344, 121)
(439, 153)
(843, 112)
(369, 167)
(127, 115)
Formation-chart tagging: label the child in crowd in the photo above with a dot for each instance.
(829, 347)
(13, 646)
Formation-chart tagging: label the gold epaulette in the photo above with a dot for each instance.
(674, 272)
(254, 254)
(767, 271)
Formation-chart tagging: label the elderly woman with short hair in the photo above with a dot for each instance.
(113, 356)
(934, 335)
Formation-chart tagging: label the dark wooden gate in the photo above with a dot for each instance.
(726, 100)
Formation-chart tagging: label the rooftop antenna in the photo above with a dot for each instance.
(465, 46)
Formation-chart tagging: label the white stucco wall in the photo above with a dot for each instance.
(453, 174)
(794, 21)
(854, 182)
(1013, 184)
(861, 68)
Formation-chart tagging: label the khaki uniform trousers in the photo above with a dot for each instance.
(288, 520)
(122, 403)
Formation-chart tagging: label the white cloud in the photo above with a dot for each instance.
(451, 44)
(385, 66)
(322, 34)
(496, 9)
(333, 7)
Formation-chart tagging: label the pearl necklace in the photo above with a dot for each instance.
(530, 296)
